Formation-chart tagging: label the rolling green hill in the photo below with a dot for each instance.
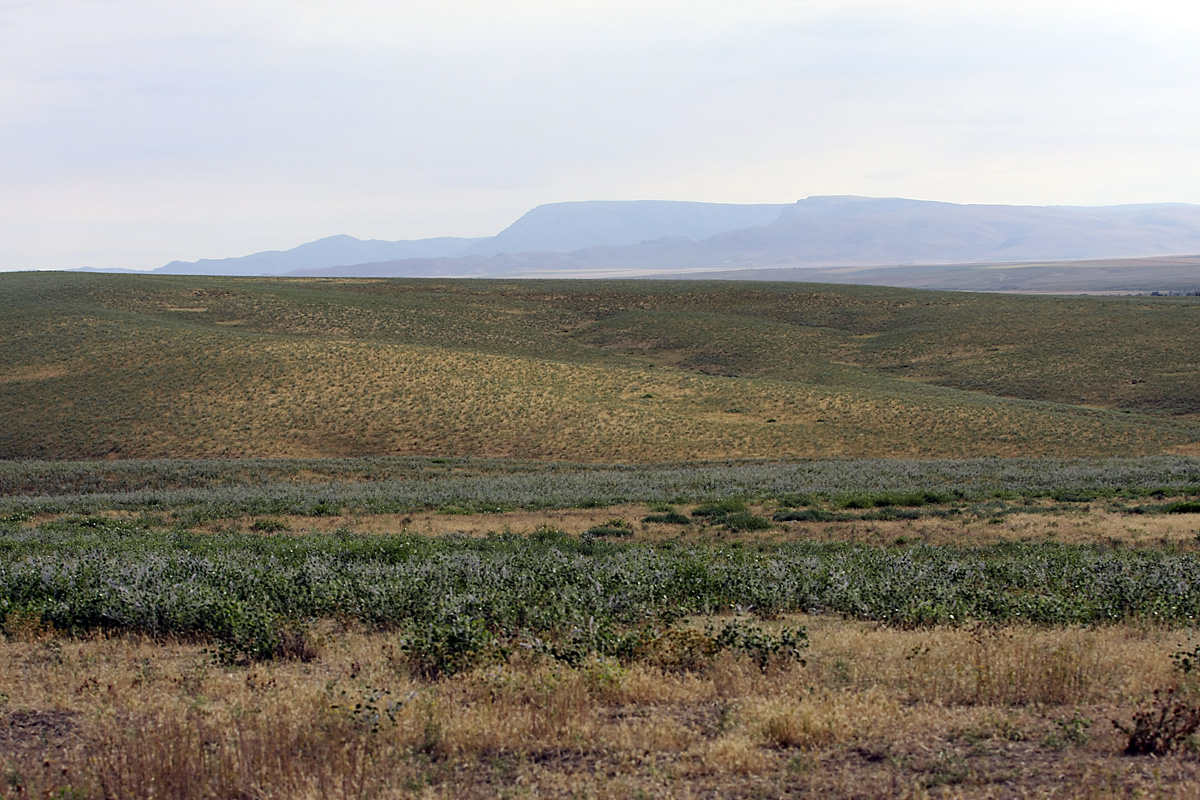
(134, 366)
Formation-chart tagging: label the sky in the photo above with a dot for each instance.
(137, 132)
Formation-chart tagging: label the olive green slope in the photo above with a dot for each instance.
(156, 366)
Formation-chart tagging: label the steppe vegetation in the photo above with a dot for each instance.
(102, 366)
(565, 539)
(394, 628)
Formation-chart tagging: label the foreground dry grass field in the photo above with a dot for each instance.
(875, 712)
(872, 712)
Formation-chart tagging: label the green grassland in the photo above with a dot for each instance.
(208, 548)
(116, 366)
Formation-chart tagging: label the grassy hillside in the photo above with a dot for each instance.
(95, 366)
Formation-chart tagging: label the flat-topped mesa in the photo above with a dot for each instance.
(647, 237)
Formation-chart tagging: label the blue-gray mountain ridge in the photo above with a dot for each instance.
(552, 228)
(593, 238)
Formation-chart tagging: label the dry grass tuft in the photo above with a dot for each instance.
(996, 666)
(737, 752)
(818, 720)
(27, 626)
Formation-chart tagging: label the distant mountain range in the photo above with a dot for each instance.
(553, 228)
(635, 238)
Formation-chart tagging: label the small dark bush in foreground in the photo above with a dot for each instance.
(1167, 725)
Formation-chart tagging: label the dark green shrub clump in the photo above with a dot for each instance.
(733, 514)
(746, 522)
(268, 525)
(447, 646)
(763, 647)
(253, 596)
(668, 518)
(806, 515)
(324, 508)
(614, 527)
(798, 500)
(913, 499)
(719, 509)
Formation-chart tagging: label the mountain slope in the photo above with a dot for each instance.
(556, 227)
(565, 227)
(853, 231)
(327, 252)
(872, 231)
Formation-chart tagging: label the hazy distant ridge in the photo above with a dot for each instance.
(552, 228)
(566, 227)
(871, 231)
(654, 237)
(834, 232)
(327, 252)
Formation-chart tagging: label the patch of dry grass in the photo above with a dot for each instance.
(876, 712)
(1086, 523)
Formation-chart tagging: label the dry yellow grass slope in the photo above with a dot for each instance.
(96, 366)
(352, 398)
(300, 397)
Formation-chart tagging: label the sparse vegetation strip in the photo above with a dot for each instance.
(457, 600)
(195, 491)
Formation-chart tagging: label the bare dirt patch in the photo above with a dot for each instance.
(38, 731)
(33, 373)
(1088, 523)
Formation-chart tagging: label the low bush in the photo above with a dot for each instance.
(614, 527)
(668, 518)
(1168, 724)
(448, 646)
(242, 590)
(807, 515)
(761, 646)
(719, 509)
(746, 522)
(688, 649)
(797, 500)
(247, 634)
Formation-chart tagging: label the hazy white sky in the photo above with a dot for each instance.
(135, 132)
